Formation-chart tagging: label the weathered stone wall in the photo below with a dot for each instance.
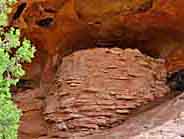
(97, 89)
(94, 90)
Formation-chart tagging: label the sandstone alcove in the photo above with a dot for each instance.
(94, 61)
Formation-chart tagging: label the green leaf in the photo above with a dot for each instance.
(26, 51)
(12, 53)
(3, 19)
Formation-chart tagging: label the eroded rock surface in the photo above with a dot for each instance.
(32, 123)
(97, 89)
(94, 90)
(162, 122)
(56, 27)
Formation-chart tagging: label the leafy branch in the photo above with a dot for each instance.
(13, 53)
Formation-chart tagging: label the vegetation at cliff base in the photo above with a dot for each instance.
(13, 53)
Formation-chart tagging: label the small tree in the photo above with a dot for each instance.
(13, 52)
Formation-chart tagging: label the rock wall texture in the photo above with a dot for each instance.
(99, 88)
(94, 90)
(59, 27)
(162, 122)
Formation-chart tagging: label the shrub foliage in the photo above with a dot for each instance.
(13, 53)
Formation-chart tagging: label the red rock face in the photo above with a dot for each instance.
(156, 25)
(58, 27)
(54, 29)
(91, 95)
(162, 27)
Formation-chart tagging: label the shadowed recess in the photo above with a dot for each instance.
(176, 80)
(46, 22)
(19, 11)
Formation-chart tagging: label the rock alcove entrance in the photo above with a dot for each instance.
(94, 89)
